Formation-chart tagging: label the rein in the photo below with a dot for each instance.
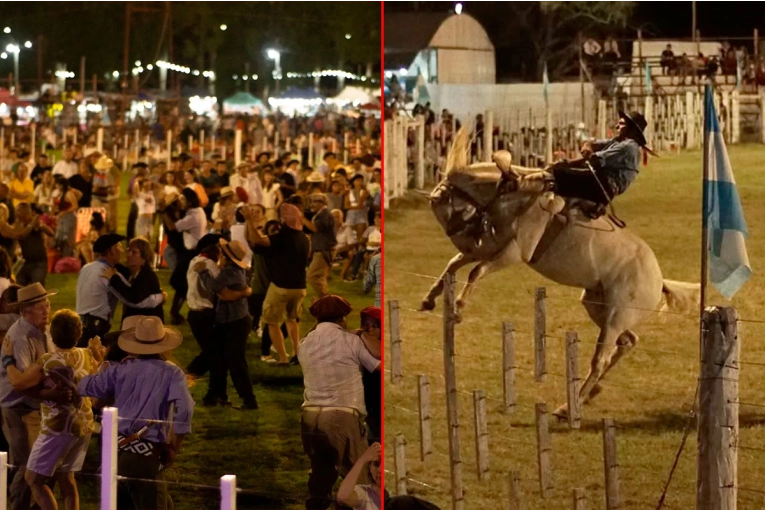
(612, 214)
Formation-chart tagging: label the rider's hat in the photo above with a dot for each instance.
(637, 123)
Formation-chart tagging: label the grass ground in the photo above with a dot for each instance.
(262, 448)
(648, 394)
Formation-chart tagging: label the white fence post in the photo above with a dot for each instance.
(169, 148)
(109, 459)
(690, 115)
(419, 126)
(735, 117)
(3, 481)
(602, 107)
(237, 148)
(228, 492)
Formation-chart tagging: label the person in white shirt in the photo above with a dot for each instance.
(239, 229)
(193, 226)
(272, 195)
(147, 206)
(346, 242)
(248, 180)
(66, 167)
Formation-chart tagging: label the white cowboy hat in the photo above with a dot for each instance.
(149, 336)
(235, 251)
(32, 293)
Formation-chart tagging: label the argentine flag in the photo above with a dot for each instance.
(723, 216)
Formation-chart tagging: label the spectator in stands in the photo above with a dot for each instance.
(144, 386)
(668, 61)
(332, 426)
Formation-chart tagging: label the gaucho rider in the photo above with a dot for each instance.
(615, 162)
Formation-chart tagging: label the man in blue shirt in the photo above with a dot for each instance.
(615, 162)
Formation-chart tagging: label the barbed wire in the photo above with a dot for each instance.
(562, 298)
(423, 484)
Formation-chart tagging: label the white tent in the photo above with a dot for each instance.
(351, 94)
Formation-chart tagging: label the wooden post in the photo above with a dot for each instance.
(717, 477)
(690, 115)
(602, 107)
(33, 143)
(420, 166)
(580, 499)
(488, 133)
(572, 376)
(735, 117)
(346, 138)
(540, 331)
(169, 148)
(237, 148)
(514, 483)
(756, 43)
(310, 151)
(481, 435)
(100, 140)
(452, 410)
(202, 145)
(423, 400)
(396, 368)
(611, 465)
(399, 461)
(508, 366)
(544, 450)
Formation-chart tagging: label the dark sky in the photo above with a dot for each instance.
(720, 20)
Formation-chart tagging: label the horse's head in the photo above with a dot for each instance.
(513, 212)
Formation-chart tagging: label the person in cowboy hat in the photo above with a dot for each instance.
(60, 448)
(144, 386)
(233, 324)
(332, 421)
(21, 411)
(615, 164)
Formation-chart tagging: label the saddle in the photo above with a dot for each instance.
(481, 186)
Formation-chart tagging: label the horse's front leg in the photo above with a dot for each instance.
(458, 261)
(511, 255)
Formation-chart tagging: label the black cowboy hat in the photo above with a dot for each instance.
(637, 123)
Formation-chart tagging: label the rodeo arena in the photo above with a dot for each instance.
(233, 231)
(491, 388)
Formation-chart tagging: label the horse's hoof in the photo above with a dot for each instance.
(427, 305)
(561, 414)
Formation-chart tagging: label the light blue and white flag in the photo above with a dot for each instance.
(546, 84)
(723, 216)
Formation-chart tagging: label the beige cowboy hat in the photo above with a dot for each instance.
(149, 336)
(32, 294)
(226, 191)
(235, 251)
(104, 163)
(315, 176)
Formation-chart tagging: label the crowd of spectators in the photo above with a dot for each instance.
(246, 247)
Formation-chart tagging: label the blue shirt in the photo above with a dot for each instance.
(619, 161)
(144, 388)
(93, 296)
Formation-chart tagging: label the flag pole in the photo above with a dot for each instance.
(704, 205)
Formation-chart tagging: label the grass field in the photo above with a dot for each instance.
(648, 394)
(262, 448)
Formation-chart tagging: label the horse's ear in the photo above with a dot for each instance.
(531, 225)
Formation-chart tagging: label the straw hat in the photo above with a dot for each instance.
(32, 294)
(315, 176)
(235, 251)
(104, 163)
(226, 191)
(149, 336)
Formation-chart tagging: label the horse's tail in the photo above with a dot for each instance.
(680, 296)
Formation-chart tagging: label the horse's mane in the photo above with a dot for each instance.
(457, 157)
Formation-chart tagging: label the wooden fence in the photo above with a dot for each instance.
(717, 411)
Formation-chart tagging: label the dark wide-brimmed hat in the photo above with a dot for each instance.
(637, 122)
(330, 307)
(208, 240)
(149, 336)
(106, 241)
(32, 294)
